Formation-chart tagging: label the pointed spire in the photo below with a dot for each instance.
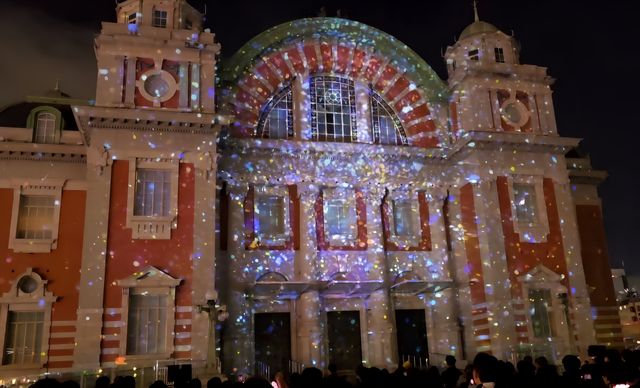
(475, 11)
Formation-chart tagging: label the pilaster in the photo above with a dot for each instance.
(94, 251)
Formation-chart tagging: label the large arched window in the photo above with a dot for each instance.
(386, 126)
(45, 129)
(333, 109)
(276, 120)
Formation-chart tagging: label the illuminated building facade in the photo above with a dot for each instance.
(342, 201)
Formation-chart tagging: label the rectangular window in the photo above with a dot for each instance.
(403, 216)
(473, 55)
(159, 18)
(337, 217)
(132, 18)
(147, 324)
(23, 341)
(524, 196)
(499, 52)
(541, 312)
(270, 215)
(152, 192)
(36, 217)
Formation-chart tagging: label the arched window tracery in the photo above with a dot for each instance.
(333, 109)
(385, 125)
(276, 120)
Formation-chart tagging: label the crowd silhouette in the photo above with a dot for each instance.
(610, 369)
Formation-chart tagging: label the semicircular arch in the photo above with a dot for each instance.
(340, 47)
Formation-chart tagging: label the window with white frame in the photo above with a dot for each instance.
(528, 208)
(132, 18)
(333, 109)
(524, 195)
(499, 54)
(148, 298)
(153, 192)
(45, 130)
(276, 121)
(23, 339)
(404, 218)
(386, 126)
(147, 324)
(35, 216)
(271, 214)
(152, 197)
(340, 217)
(541, 312)
(474, 55)
(25, 319)
(159, 18)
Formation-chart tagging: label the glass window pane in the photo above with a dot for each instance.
(386, 126)
(524, 196)
(337, 217)
(153, 192)
(332, 109)
(403, 218)
(23, 340)
(270, 215)
(35, 217)
(540, 304)
(276, 121)
(147, 324)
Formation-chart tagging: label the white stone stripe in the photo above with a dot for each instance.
(63, 323)
(61, 346)
(184, 309)
(380, 71)
(402, 94)
(318, 52)
(111, 337)
(111, 311)
(60, 358)
(479, 306)
(110, 351)
(482, 337)
(475, 317)
(608, 326)
(391, 83)
(482, 327)
(608, 335)
(303, 57)
(352, 55)
(113, 324)
(64, 334)
(183, 334)
(181, 322)
(183, 348)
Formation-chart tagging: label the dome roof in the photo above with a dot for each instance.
(478, 27)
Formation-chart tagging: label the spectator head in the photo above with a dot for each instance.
(103, 382)
(571, 363)
(214, 382)
(450, 360)
(541, 362)
(158, 384)
(333, 369)
(485, 368)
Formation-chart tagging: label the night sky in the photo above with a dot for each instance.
(590, 48)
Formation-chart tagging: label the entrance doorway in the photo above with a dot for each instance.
(411, 326)
(345, 345)
(273, 342)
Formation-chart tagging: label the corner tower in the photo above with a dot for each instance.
(491, 89)
(151, 141)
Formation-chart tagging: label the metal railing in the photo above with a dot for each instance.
(295, 367)
(416, 361)
(263, 369)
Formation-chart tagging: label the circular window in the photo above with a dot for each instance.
(156, 85)
(514, 113)
(27, 284)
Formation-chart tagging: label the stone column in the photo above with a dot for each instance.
(309, 306)
(579, 291)
(94, 250)
(203, 259)
(381, 326)
(238, 350)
